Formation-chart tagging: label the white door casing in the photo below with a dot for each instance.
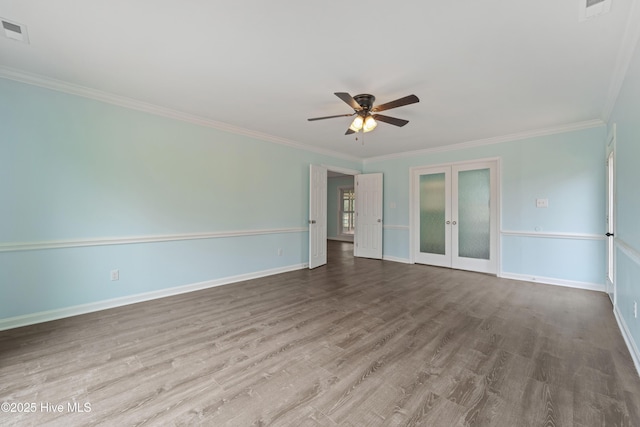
(368, 221)
(317, 216)
(610, 216)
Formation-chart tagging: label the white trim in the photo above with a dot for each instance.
(46, 316)
(341, 170)
(553, 235)
(611, 137)
(396, 259)
(599, 287)
(610, 212)
(57, 244)
(493, 140)
(633, 254)
(628, 339)
(499, 214)
(133, 104)
(460, 163)
(623, 59)
(396, 227)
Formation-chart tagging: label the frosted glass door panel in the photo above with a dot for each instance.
(432, 213)
(474, 214)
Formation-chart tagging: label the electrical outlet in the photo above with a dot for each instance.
(115, 275)
(279, 251)
(542, 203)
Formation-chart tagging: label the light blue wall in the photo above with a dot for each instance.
(566, 168)
(333, 195)
(72, 168)
(626, 116)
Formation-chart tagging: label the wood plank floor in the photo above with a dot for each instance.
(355, 343)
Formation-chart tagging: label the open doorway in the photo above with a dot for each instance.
(340, 207)
(340, 215)
(359, 212)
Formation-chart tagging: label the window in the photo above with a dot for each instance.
(347, 208)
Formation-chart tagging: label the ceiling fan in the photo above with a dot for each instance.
(367, 114)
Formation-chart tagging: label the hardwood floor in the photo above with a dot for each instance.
(355, 343)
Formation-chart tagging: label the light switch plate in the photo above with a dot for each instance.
(542, 203)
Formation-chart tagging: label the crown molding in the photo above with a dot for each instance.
(493, 140)
(134, 104)
(623, 60)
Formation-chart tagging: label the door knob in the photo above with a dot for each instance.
(312, 221)
(609, 234)
(454, 223)
(379, 220)
(448, 222)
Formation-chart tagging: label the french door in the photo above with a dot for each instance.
(454, 216)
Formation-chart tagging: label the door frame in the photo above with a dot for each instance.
(610, 226)
(413, 201)
(329, 168)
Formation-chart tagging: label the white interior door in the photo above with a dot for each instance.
(432, 197)
(610, 281)
(317, 216)
(474, 209)
(368, 229)
(455, 210)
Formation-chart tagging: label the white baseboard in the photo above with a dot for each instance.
(628, 339)
(553, 281)
(46, 316)
(396, 259)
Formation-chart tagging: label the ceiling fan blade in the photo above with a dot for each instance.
(349, 100)
(349, 132)
(411, 99)
(330, 117)
(390, 120)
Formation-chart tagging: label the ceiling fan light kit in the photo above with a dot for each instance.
(369, 124)
(363, 108)
(366, 124)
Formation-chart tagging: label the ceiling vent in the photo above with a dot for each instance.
(592, 8)
(15, 31)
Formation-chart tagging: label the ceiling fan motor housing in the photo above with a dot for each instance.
(365, 101)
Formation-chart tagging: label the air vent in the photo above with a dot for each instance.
(593, 8)
(593, 2)
(15, 31)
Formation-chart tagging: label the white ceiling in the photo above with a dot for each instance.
(482, 69)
